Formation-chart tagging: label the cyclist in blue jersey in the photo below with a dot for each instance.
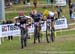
(36, 17)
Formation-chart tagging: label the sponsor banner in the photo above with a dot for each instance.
(10, 29)
(31, 29)
(61, 23)
(60, 2)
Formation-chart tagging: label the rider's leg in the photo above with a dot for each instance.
(52, 35)
(22, 38)
(25, 42)
(35, 36)
(22, 43)
(47, 33)
(39, 37)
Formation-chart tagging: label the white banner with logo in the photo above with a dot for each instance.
(61, 23)
(60, 2)
(10, 29)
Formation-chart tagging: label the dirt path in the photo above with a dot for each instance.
(65, 38)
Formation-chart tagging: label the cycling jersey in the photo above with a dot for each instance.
(23, 17)
(36, 18)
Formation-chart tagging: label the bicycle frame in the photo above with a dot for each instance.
(37, 32)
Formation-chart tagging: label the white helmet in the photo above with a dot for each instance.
(51, 14)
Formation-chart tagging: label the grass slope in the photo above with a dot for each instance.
(64, 44)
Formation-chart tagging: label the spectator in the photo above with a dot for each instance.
(71, 10)
(52, 1)
(59, 10)
(3, 22)
(35, 3)
(25, 2)
(69, 2)
(9, 37)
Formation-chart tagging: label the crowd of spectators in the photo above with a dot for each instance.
(8, 22)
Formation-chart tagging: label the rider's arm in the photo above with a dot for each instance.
(30, 20)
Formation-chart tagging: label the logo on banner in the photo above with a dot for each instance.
(9, 27)
(59, 22)
(4, 28)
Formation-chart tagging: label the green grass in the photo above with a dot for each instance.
(12, 15)
(66, 33)
(27, 10)
(63, 43)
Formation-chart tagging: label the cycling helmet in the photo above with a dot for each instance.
(21, 13)
(51, 14)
